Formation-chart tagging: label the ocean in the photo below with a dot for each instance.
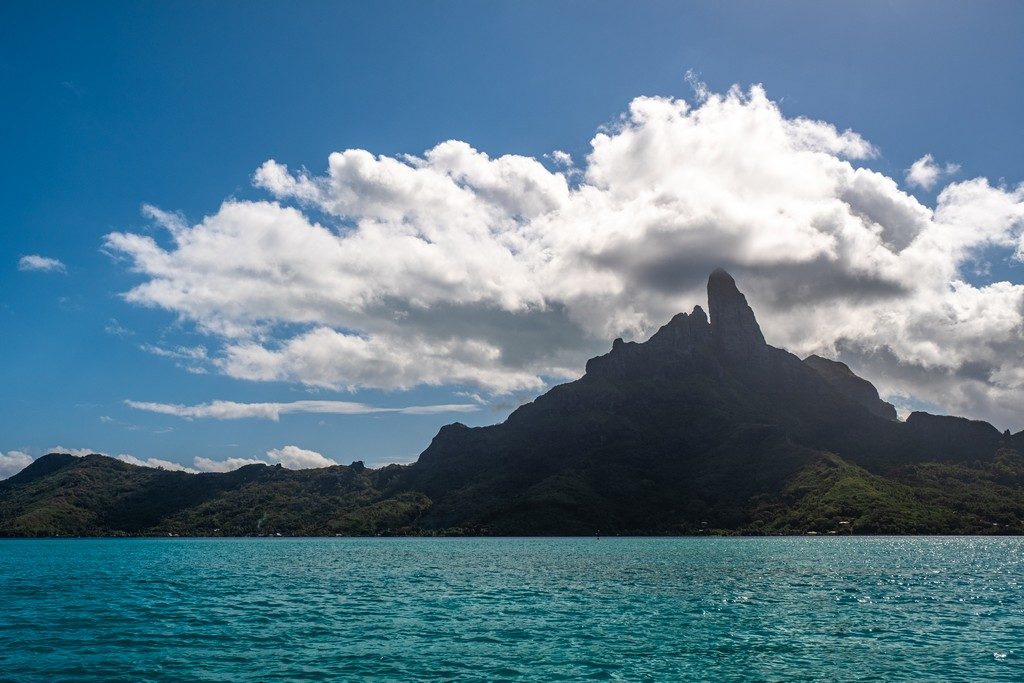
(715, 609)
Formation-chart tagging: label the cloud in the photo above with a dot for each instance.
(226, 465)
(925, 173)
(108, 420)
(324, 357)
(77, 452)
(43, 264)
(75, 88)
(154, 462)
(291, 457)
(498, 274)
(173, 222)
(13, 462)
(115, 328)
(230, 410)
(565, 161)
(296, 458)
(194, 353)
(188, 358)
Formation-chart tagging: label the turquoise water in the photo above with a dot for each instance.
(493, 609)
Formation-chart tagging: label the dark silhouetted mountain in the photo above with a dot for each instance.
(703, 428)
(850, 385)
(734, 329)
(697, 427)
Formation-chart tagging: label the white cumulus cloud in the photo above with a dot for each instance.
(45, 264)
(296, 458)
(226, 465)
(13, 462)
(291, 457)
(77, 452)
(459, 268)
(925, 173)
(154, 462)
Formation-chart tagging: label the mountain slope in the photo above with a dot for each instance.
(850, 385)
(98, 496)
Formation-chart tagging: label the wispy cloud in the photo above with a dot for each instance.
(73, 87)
(188, 358)
(42, 264)
(231, 410)
(115, 328)
(108, 420)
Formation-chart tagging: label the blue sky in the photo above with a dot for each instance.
(111, 107)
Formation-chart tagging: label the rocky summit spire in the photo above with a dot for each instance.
(733, 325)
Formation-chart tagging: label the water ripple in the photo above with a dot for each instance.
(850, 609)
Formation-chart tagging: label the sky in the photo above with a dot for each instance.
(315, 233)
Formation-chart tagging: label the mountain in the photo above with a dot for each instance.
(707, 426)
(850, 385)
(703, 428)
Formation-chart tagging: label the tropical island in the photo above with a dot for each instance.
(702, 429)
